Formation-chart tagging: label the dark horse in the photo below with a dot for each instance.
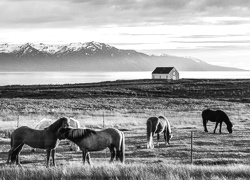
(44, 139)
(90, 140)
(218, 117)
(157, 125)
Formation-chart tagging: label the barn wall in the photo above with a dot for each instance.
(159, 76)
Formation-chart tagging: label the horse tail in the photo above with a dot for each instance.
(169, 132)
(122, 148)
(10, 151)
(149, 133)
(204, 115)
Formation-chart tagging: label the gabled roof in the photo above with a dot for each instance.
(162, 70)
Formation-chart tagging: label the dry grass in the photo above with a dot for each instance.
(216, 156)
(132, 171)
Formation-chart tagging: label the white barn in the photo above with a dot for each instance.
(165, 73)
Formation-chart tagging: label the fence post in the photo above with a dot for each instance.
(103, 120)
(191, 150)
(18, 119)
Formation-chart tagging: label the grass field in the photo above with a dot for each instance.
(215, 156)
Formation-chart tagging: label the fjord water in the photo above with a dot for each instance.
(32, 78)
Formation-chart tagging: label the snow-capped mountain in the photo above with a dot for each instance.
(52, 48)
(89, 56)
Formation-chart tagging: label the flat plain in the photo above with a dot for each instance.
(127, 105)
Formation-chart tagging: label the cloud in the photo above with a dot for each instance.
(210, 36)
(217, 41)
(70, 13)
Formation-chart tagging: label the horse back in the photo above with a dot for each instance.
(162, 124)
(223, 116)
(152, 124)
(33, 137)
(111, 133)
(102, 139)
(210, 115)
(215, 116)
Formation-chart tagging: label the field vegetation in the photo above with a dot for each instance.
(127, 105)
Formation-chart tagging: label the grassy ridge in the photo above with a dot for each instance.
(233, 90)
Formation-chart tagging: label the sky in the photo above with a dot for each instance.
(215, 31)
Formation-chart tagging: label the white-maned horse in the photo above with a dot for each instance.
(44, 123)
(157, 125)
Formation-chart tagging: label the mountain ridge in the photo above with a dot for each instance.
(91, 56)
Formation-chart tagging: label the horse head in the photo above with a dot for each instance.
(65, 122)
(229, 128)
(169, 136)
(62, 133)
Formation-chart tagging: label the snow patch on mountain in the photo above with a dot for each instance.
(194, 59)
(8, 48)
(52, 48)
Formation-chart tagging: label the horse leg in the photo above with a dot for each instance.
(117, 154)
(220, 126)
(88, 158)
(48, 151)
(13, 155)
(152, 142)
(53, 156)
(158, 138)
(165, 137)
(215, 127)
(112, 153)
(17, 153)
(205, 125)
(149, 141)
(84, 154)
(9, 155)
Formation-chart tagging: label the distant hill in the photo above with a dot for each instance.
(91, 56)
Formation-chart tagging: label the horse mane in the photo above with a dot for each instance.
(76, 122)
(162, 117)
(43, 123)
(168, 124)
(79, 133)
(227, 121)
(54, 126)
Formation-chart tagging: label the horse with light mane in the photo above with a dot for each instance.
(90, 140)
(43, 139)
(158, 125)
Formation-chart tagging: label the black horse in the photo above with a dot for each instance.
(218, 117)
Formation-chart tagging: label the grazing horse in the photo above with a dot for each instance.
(218, 117)
(90, 140)
(157, 125)
(44, 123)
(44, 139)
